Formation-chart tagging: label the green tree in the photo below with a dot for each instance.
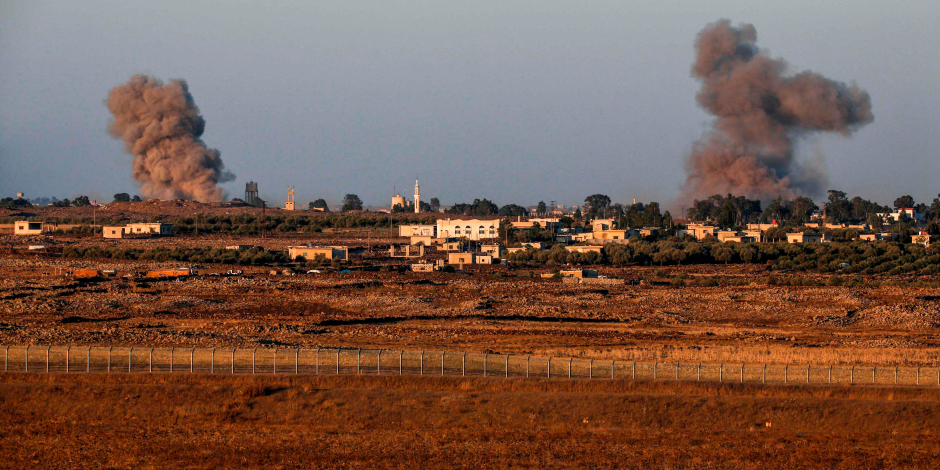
(319, 204)
(351, 202)
(541, 209)
(595, 205)
(801, 208)
(513, 210)
(904, 202)
(435, 204)
(81, 201)
(122, 197)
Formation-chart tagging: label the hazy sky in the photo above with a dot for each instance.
(516, 101)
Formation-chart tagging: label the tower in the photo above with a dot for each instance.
(417, 197)
(289, 206)
(251, 192)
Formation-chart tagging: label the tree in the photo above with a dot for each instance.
(122, 197)
(513, 210)
(136, 198)
(351, 202)
(63, 203)
(319, 204)
(81, 201)
(595, 205)
(838, 209)
(904, 202)
(577, 213)
(479, 207)
(424, 207)
(801, 208)
(398, 209)
(435, 204)
(541, 209)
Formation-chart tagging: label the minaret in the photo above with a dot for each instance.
(417, 197)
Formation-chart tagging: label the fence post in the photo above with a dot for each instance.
(192, 359)
(763, 377)
(484, 363)
(130, 357)
(47, 358)
(591, 369)
(212, 361)
(6, 358)
(613, 367)
(918, 375)
(442, 362)
(233, 361)
(171, 360)
(895, 375)
(829, 379)
(548, 370)
(873, 368)
(401, 354)
(109, 358)
(721, 372)
(297, 361)
(318, 360)
(337, 360)
(742, 372)
(634, 370)
(275, 361)
(698, 374)
(66, 360)
(358, 361)
(27, 358)
(655, 366)
(678, 364)
(463, 367)
(149, 363)
(507, 365)
(253, 352)
(378, 369)
(527, 359)
(422, 363)
(569, 367)
(807, 373)
(786, 372)
(852, 375)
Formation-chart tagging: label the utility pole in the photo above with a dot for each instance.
(263, 207)
(94, 217)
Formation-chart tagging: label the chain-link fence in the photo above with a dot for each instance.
(351, 361)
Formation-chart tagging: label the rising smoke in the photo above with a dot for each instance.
(761, 112)
(160, 125)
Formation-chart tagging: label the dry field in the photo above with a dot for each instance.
(139, 421)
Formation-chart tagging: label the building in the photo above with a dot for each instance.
(239, 247)
(724, 234)
(407, 251)
(460, 258)
(24, 227)
(424, 240)
(311, 252)
(599, 225)
(740, 239)
(762, 227)
(289, 205)
(399, 200)
(471, 229)
(891, 217)
(495, 250)
(546, 223)
(649, 231)
(584, 248)
(451, 246)
(800, 237)
(702, 231)
(871, 237)
(575, 273)
(922, 238)
(417, 230)
(138, 230)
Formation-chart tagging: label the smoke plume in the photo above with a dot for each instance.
(160, 126)
(761, 111)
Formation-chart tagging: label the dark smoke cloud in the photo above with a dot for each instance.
(761, 112)
(160, 125)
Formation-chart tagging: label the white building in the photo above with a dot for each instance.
(471, 229)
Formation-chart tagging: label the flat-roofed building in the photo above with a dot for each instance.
(25, 227)
(471, 229)
(418, 230)
(460, 258)
(800, 237)
(138, 230)
(585, 248)
(311, 252)
(761, 227)
(701, 231)
(495, 250)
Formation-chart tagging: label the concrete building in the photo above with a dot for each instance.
(740, 239)
(585, 248)
(451, 246)
(701, 231)
(649, 231)
(399, 200)
(723, 234)
(24, 227)
(808, 237)
(761, 227)
(425, 240)
(471, 229)
(495, 250)
(289, 205)
(417, 230)
(311, 252)
(251, 192)
(605, 235)
(547, 223)
(407, 251)
(871, 237)
(891, 217)
(460, 258)
(138, 230)
(575, 273)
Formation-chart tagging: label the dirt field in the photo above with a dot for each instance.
(99, 421)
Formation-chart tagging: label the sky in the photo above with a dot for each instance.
(514, 101)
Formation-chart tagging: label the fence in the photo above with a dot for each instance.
(349, 361)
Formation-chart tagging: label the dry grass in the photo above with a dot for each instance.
(100, 421)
